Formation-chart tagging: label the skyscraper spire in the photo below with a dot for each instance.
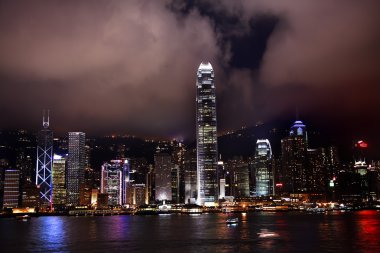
(45, 123)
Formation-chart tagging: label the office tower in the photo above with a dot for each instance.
(175, 184)
(102, 201)
(222, 188)
(11, 188)
(59, 181)
(240, 178)
(252, 176)
(85, 192)
(149, 182)
(360, 151)
(317, 177)
(207, 149)
(24, 163)
(190, 166)
(221, 180)
(45, 162)
(30, 195)
(75, 166)
(94, 197)
(333, 162)
(139, 168)
(139, 195)
(263, 168)
(115, 180)
(293, 151)
(361, 168)
(178, 156)
(163, 166)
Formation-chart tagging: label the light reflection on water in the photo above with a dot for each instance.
(295, 232)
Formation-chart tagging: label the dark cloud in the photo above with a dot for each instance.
(129, 66)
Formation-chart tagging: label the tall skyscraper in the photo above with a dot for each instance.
(45, 162)
(236, 175)
(263, 168)
(59, 180)
(294, 151)
(75, 166)
(178, 156)
(241, 179)
(175, 184)
(114, 180)
(190, 166)
(207, 148)
(163, 180)
(317, 177)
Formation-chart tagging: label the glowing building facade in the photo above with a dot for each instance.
(75, 166)
(11, 188)
(263, 168)
(59, 180)
(45, 163)
(114, 180)
(294, 155)
(207, 148)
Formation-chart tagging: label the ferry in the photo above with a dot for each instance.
(232, 221)
(23, 217)
(265, 233)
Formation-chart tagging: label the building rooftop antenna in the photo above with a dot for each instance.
(45, 123)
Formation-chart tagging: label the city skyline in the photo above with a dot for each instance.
(270, 59)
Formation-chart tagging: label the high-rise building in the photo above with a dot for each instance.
(178, 157)
(75, 166)
(11, 188)
(45, 162)
(139, 195)
(59, 180)
(190, 166)
(263, 168)
(361, 167)
(221, 180)
(163, 181)
(114, 181)
(236, 175)
(241, 179)
(206, 131)
(317, 176)
(175, 184)
(293, 150)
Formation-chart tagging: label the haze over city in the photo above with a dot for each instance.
(128, 66)
(190, 125)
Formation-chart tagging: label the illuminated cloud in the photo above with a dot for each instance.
(129, 66)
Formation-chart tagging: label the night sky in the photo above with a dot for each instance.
(129, 67)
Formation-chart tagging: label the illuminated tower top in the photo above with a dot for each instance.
(205, 67)
(298, 129)
(45, 123)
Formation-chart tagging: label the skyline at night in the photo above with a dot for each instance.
(190, 125)
(128, 67)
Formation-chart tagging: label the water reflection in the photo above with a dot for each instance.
(51, 233)
(289, 232)
(369, 230)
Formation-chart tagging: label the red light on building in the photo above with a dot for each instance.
(362, 144)
(279, 185)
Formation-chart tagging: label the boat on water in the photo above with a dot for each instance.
(232, 221)
(265, 233)
(316, 210)
(23, 217)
